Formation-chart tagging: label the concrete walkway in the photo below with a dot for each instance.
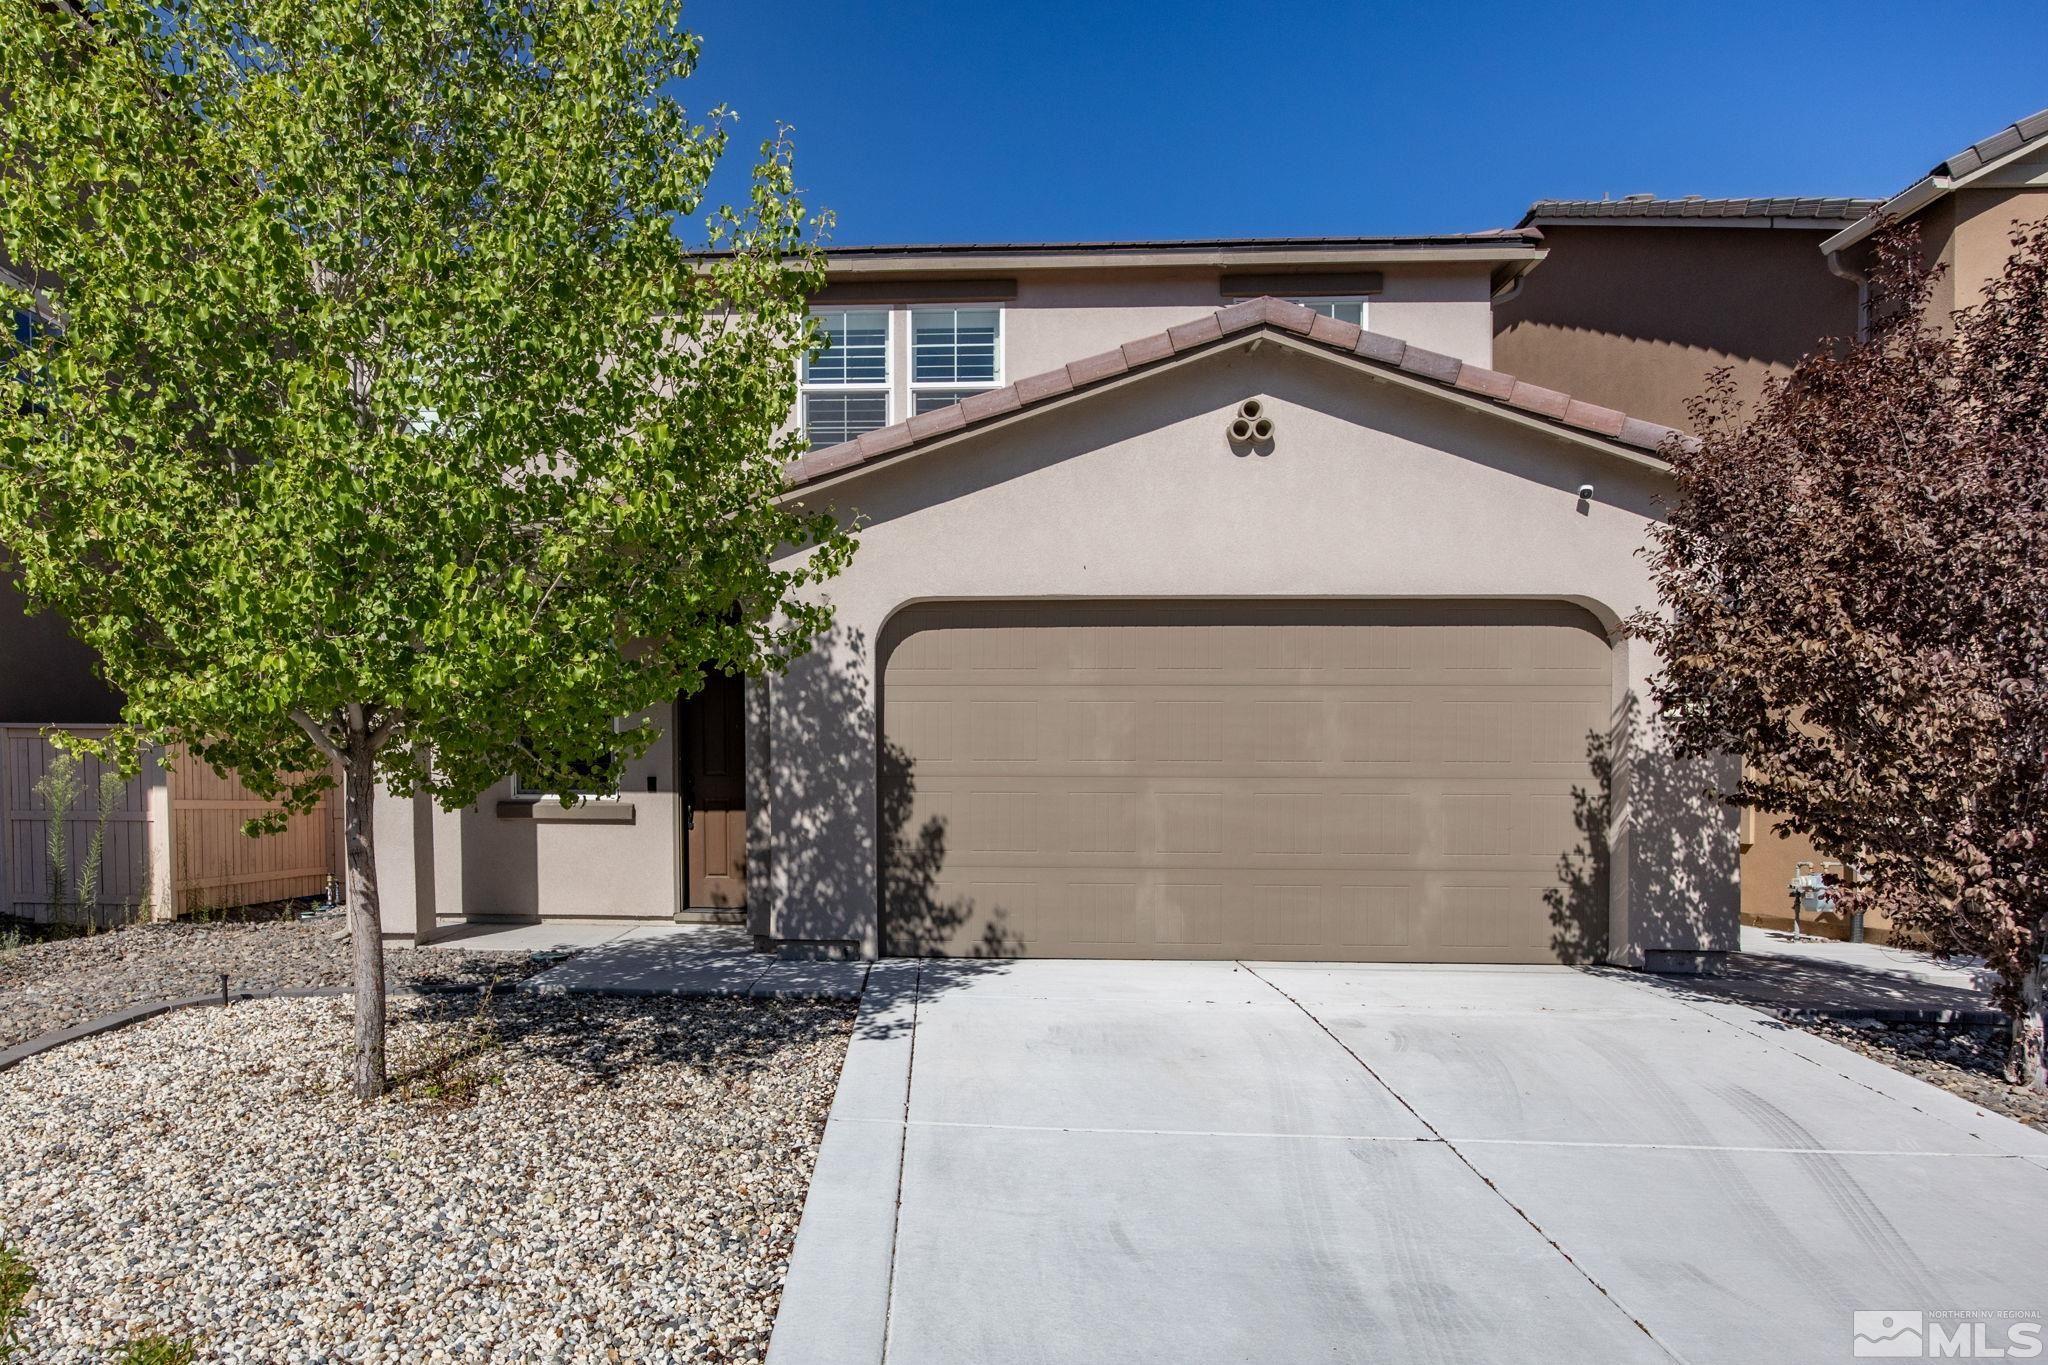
(1967, 975)
(547, 936)
(1775, 971)
(1220, 1162)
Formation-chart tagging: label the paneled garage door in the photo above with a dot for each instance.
(1330, 781)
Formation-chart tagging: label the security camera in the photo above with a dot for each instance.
(1585, 492)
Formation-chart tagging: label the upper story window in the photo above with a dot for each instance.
(846, 385)
(1341, 310)
(954, 353)
(24, 330)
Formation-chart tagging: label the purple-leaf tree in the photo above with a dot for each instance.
(1855, 598)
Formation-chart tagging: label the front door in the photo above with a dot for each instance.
(714, 761)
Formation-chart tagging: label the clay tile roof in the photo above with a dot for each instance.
(2018, 136)
(1473, 382)
(1636, 206)
(2010, 138)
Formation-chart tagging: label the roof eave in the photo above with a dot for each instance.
(977, 260)
(2031, 134)
(1904, 204)
(1665, 221)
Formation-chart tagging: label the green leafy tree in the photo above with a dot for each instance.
(384, 420)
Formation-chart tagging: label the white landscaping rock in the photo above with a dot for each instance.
(629, 1191)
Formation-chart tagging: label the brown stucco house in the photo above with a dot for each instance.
(170, 841)
(46, 674)
(1639, 300)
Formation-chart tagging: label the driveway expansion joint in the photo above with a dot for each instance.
(1467, 1163)
(1437, 1140)
(902, 1160)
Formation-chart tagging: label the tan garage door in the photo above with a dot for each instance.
(1346, 782)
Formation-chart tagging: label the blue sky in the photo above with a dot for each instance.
(1017, 122)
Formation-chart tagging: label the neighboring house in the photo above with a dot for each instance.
(46, 674)
(1965, 210)
(1640, 299)
(1122, 670)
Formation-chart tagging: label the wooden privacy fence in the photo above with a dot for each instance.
(27, 888)
(216, 865)
(172, 842)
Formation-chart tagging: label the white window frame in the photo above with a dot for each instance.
(886, 387)
(955, 386)
(1321, 301)
(521, 791)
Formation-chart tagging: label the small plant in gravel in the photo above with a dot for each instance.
(60, 788)
(156, 1350)
(17, 1278)
(454, 1069)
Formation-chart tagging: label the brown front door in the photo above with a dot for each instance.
(714, 758)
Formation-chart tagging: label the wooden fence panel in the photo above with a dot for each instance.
(217, 865)
(190, 819)
(27, 888)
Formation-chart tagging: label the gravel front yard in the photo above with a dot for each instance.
(45, 986)
(562, 1178)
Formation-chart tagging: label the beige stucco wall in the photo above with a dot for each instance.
(1981, 243)
(1370, 491)
(1062, 316)
(478, 864)
(1059, 317)
(1444, 308)
(1968, 233)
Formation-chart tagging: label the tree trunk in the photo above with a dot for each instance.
(2029, 1066)
(366, 924)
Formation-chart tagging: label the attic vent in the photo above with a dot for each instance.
(1637, 198)
(1251, 426)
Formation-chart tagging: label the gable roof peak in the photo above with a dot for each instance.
(1228, 326)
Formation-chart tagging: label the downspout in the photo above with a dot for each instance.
(1504, 294)
(1862, 283)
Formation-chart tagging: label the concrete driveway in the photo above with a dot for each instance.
(1196, 1162)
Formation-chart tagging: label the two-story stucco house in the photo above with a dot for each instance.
(1214, 599)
